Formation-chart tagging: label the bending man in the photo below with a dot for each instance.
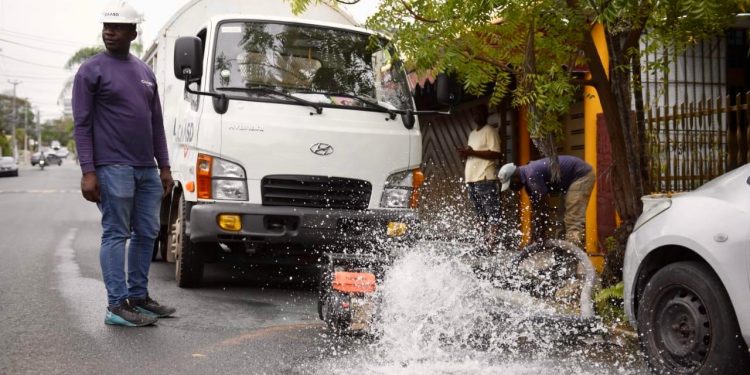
(576, 181)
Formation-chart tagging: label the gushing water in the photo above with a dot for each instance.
(438, 316)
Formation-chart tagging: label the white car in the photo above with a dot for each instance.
(687, 279)
(8, 166)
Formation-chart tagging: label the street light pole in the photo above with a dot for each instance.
(15, 118)
(26, 133)
(38, 132)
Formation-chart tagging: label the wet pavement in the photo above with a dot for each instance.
(436, 317)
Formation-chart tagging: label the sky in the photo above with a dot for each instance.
(37, 37)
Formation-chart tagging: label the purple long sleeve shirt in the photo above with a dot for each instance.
(117, 114)
(537, 178)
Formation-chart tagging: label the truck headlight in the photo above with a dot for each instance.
(402, 189)
(220, 179)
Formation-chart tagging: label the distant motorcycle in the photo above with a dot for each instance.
(42, 162)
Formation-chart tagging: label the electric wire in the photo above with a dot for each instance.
(31, 63)
(36, 48)
(39, 38)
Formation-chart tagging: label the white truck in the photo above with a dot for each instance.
(282, 130)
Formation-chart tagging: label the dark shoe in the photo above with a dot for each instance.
(125, 315)
(150, 307)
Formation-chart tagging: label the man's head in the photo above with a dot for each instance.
(510, 177)
(479, 116)
(119, 27)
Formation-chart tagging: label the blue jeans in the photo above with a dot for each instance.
(130, 202)
(486, 199)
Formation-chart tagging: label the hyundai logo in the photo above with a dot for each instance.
(322, 149)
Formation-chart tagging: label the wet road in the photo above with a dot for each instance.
(52, 300)
(52, 304)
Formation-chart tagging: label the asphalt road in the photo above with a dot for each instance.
(52, 305)
(52, 300)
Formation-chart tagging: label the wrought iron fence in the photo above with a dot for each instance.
(691, 143)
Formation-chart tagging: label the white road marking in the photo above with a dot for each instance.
(86, 298)
(39, 191)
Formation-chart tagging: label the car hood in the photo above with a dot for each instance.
(732, 187)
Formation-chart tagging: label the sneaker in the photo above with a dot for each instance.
(150, 307)
(125, 315)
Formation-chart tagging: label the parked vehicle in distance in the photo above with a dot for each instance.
(8, 166)
(687, 286)
(51, 156)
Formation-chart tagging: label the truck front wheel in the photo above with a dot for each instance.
(188, 259)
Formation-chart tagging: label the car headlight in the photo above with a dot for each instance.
(220, 179)
(651, 208)
(401, 189)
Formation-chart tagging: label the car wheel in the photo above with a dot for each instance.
(188, 259)
(687, 324)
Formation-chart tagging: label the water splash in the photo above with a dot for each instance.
(438, 316)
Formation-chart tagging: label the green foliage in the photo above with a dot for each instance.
(82, 55)
(485, 42)
(609, 304)
(5, 148)
(57, 130)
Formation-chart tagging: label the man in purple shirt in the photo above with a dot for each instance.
(576, 181)
(119, 133)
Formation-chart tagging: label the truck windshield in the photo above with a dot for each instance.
(321, 65)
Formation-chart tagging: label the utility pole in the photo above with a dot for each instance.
(15, 118)
(26, 133)
(38, 131)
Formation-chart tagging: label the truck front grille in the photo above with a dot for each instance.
(316, 192)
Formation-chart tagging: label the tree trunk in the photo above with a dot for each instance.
(640, 122)
(614, 95)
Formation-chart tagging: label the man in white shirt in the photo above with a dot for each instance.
(481, 154)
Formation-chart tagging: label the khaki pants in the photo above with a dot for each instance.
(576, 201)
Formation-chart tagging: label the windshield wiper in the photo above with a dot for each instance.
(269, 90)
(391, 113)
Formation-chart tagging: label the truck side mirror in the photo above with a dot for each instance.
(448, 92)
(188, 58)
(408, 119)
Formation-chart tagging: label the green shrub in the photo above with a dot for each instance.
(609, 303)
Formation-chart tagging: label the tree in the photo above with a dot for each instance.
(82, 55)
(526, 49)
(23, 111)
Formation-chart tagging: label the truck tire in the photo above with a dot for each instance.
(687, 325)
(168, 209)
(188, 259)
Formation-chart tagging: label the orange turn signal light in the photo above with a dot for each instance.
(416, 184)
(203, 174)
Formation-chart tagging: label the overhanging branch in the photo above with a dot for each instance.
(414, 14)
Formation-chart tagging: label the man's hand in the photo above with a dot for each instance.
(465, 152)
(90, 187)
(165, 174)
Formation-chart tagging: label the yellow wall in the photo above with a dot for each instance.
(591, 108)
(524, 156)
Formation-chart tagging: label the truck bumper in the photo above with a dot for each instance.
(283, 224)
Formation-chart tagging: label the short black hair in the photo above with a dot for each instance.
(480, 114)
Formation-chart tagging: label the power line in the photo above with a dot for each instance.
(21, 76)
(39, 37)
(32, 63)
(35, 48)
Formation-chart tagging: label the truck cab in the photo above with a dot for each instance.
(285, 132)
